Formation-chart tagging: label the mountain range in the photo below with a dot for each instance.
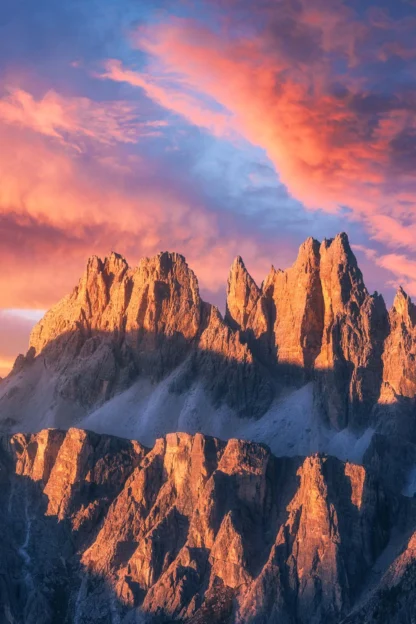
(163, 462)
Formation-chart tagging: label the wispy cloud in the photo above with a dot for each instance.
(174, 98)
(69, 119)
(337, 141)
(152, 139)
(64, 209)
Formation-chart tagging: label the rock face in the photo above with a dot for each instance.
(355, 327)
(312, 323)
(393, 600)
(297, 309)
(399, 358)
(242, 296)
(120, 324)
(100, 529)
(194, 530)
(318, 321)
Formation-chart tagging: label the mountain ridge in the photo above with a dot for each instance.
(262, 326)
(314, 322)
(256, 467)
(193, 529)
(147, 332)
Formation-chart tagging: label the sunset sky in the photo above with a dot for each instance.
(210, 128)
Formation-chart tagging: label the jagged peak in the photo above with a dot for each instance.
(310, 244)
(94, 264)
(270, 277)
(339, 245)
(114, 255)
(174, 256)
(308, 253)
(337, 257)
(115, 258)
(401, 295)
(341, 239)
(402, 302)
(114, 262)
(168, 266)
(238, 272)
(166, 260)
(238, 262)
(403, 305)
(242, 295)
(378, 299)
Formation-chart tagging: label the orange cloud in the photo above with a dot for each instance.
(67, 206)
(326, 146)
(14, 337)
(404, 270)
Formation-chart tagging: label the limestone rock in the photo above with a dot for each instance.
(399, 358)
(394, 600)
(348, 368)
(242, 296)
(132, 317)
(297, 309)
(193, 528)
(314, 322)
(120, 324)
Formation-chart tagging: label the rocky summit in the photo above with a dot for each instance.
(136, 484)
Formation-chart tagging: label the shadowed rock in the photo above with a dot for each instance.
(194, 526)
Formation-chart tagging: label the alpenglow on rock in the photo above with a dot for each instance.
(142, 345)
(149, 494)
(193, 530)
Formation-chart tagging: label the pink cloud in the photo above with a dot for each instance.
(403, 268)
(322, 144)
(67, 118)
(66, 207)
(176, 100)
(14, 338)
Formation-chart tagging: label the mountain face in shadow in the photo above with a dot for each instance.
(101, 529)
(185, 527)
(313, 322)
(308, 362)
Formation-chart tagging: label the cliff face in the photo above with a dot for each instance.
(355, 327)
(394, 598)
(118, 323)
(195, 530)
(312, 323)
(400, 349)
(121, 324)
(100, 529)
(317, 321)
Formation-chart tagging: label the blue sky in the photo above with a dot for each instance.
(208, 128)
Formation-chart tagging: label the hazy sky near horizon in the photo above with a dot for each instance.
(212, 128)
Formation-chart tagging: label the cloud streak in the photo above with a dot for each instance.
(209, 128)
(297, 89)
(64, 209)
(184, 104)
(67, 119)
